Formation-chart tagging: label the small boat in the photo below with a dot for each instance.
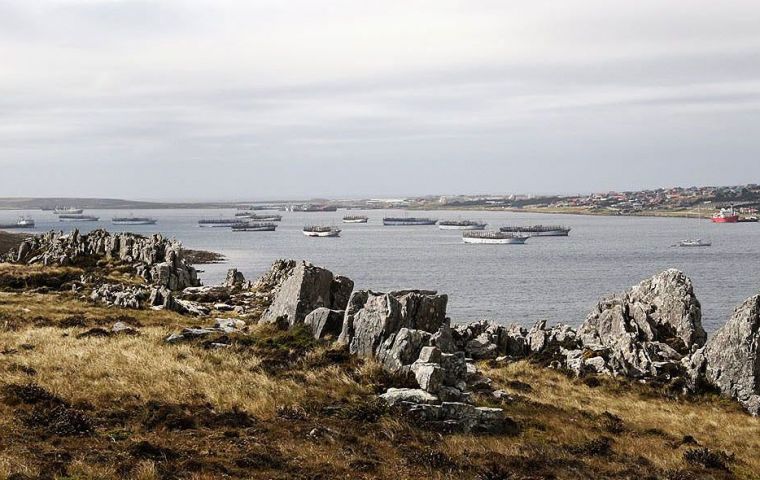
(497, 238)
(537, 230)
(401, 221)
(726, 215)
(220, 222)
(23, 222)
(355, 219)
(461, 225)
(67, 211)
(77, 218)
(255, 227)
(748, 219)
(131, 220)
(321, 231)
(694, 243)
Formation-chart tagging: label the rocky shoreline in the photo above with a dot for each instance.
(650, 333)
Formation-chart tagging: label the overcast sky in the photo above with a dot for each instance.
(261, 99)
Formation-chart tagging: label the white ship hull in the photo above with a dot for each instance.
(462, 227)
(392, 223)
(496, 241)
(361, 220)
(332, 233)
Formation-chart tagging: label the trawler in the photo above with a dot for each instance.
(726, 215)
(537, 230)
(321, 231)
(132, 220)
(220, 222)
(355, 219)
(255, 227)
(461, 225)
(77, 218)
(23, 222)
(67, 211)
(261, 218)
(401, 221)
(496, 238)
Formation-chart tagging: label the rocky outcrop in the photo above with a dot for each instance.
(648, 329)
(730, 361)
(298, 288)
(157, 260)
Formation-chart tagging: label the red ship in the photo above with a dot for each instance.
(726, 215)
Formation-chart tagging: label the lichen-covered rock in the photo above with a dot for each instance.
(301, 288)
(730, 360)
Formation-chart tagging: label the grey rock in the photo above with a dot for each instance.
(412, 395)
(429, 376)
(730, 360)
(481, 347)
(372, 318)
(639, 326)
(325, 322)
(234, 278)
(302, 288)
(430, 355)
(402, 348)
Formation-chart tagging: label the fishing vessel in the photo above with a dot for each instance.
(355, 219)
(220, 222)
(261, 218)
(321, 231)
(22, 222)
(726, 215)
(312, 208)
(537, 230)
(401, 221)
(748, 219)
(255, 227)
(67, 211)
(461, 225)
(498, 238)
(131, 220)
(695, 243)
(77, 218)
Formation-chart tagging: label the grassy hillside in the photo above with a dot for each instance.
(77, 401)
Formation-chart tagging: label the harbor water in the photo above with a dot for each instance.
(558, 279)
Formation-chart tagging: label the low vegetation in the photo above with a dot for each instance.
(79, 401)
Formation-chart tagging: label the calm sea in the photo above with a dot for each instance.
(558, 279)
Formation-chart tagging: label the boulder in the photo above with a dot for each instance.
(730, 360)
(411, 395)
(325, 322)
(462, 417)
(302, 288)
(429, 376)
(372, 319)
